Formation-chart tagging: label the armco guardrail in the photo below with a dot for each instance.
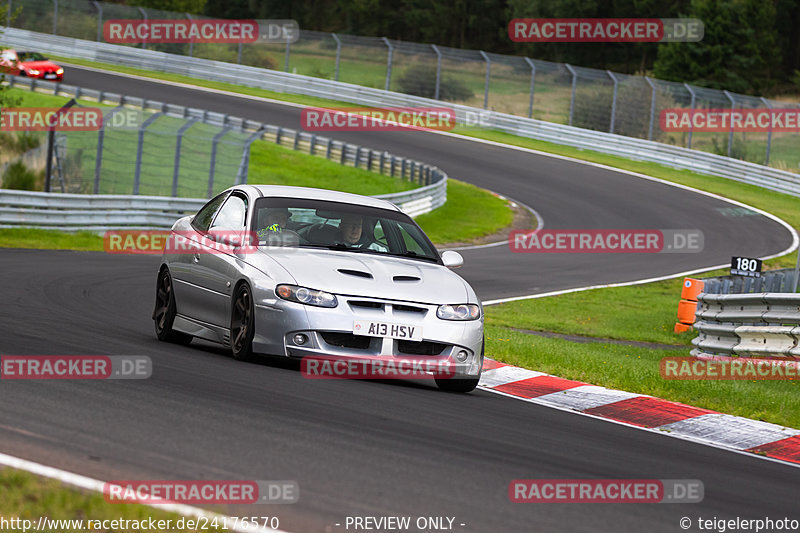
(101, 212)
(748, 325)
(673, 156)
(433, 181)
(780, 280)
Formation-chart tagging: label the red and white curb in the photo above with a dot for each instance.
(642, 411)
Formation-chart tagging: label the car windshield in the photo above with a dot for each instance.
(30, 56)
(308, 223)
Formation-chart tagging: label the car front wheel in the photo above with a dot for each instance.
(242, 324)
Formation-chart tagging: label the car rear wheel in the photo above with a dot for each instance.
(461, 385)
(242, 324)
(164, 312)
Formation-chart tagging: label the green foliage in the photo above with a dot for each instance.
(739, 51)
(420, 80)
(593, 109)
(18, 176)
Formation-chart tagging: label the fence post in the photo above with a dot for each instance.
(652, 107)
(8, 14)
(338, 55)
(286, 57)
(213, 163)
(177, 165)
(388, 63)
(99, 19)
(144, 16)
(138, 172)
(438, 71)
(769, 133)
(486, 83)
(191, 43)
(55, 17)
(613, 100)
(244, 165)
(50, 147)
(733, 108)
(691, 113)
(533, 82)
(98, 162)
(574, 85)
(239, 54)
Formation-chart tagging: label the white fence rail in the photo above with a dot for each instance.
(673, 156)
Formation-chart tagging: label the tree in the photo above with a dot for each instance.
(739, 51)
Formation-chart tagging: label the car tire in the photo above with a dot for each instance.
(165, 311)
(461, 385)
(242, 324)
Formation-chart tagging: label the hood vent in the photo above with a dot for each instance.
(406, 278)
(357, 273)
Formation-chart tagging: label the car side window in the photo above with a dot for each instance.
(232, 214)
(203, 218)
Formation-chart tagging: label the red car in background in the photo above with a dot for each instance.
(32, 64)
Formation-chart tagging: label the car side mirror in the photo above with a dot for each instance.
(452, 259)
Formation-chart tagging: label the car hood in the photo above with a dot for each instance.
(39, 64)
(370, 275)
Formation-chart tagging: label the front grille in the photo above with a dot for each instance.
(365, 304)
(345, 340)
(409, 308)
(420, 347)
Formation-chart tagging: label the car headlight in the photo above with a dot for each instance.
(303, 295)
(60, 71)
(459, 312)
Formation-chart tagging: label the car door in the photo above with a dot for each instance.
(184, 265)
(215, 267)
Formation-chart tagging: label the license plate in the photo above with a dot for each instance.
(369, 328)
(49, 76)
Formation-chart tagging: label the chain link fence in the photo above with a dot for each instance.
(555, 92)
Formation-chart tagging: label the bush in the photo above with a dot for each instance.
(420, 80)
(18, 176)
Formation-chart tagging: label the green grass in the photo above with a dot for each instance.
(637, 370)
(29, 497)
(42, 239)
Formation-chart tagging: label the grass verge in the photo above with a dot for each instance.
(29, 497)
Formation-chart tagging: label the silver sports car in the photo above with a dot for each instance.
(300, 272)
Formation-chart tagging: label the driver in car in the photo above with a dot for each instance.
(351, 229)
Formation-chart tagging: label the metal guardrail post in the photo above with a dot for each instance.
(286, 57)
(144, 16)
(212, 165)
(388, 63)
(652, 107)
(613, 100)
(574, 86)
(99, 9)
(691, 112)
(338, 56)
(55, 17)
(733, 108)
(191, 43)
(176, 167)
(533, 84)
(244, 164)
(769, 133)
(98, 162)
(239, 53)
(438, 71)
(486, 83)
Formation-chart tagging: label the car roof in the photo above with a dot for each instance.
(287, 191)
